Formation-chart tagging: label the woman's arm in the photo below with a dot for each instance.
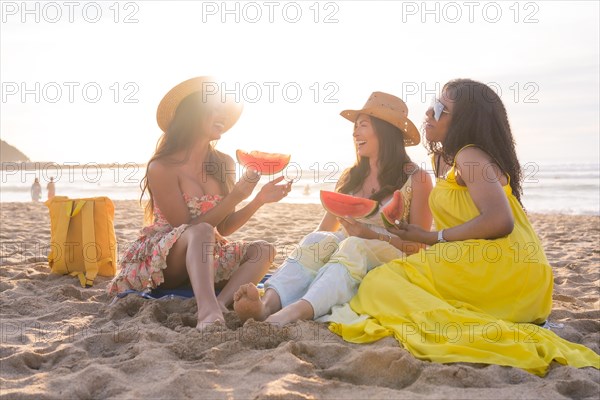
(495, 217)
(419, 214)
(164, 183)
(329, 223)
(237, 219)
(271, 192)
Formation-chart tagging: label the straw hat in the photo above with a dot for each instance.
(168, 105)
(390, 109)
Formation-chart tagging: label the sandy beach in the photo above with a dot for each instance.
(59, 340)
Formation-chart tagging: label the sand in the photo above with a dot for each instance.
(59, 340)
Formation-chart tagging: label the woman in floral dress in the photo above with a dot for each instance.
(192, 207)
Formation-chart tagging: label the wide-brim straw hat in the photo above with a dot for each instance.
(168, 105)
(390, 109)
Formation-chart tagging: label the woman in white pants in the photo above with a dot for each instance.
(327, 267)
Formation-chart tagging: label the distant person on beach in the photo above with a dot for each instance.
(485, 269)
(193, 197)
(36, 190)
(329, 264)
(51, 188)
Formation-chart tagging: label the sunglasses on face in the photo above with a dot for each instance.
(438, 108)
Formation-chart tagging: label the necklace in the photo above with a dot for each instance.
(372, 184)
(365, 192)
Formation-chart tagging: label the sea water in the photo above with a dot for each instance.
(550, 188)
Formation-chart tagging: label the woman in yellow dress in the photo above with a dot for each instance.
(478, 293)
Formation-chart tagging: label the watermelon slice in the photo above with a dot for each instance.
(265, 163)
(394, 210)
(344, 205)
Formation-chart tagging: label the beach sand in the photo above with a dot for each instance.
(59, 340)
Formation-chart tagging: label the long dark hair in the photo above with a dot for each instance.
(181, 135)
(479, 118)
(392, 158)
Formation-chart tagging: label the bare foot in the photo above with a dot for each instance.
(247, 303)
(300, 310)
(209, 327)
(223, 308)
(209, 317)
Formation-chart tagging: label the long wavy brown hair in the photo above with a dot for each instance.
(392, 158)
(181, 135)
(479, 118)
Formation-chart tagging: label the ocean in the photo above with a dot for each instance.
(547, 188)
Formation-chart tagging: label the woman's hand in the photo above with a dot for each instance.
(413, 233)
(220, 239)
(358, 229)
(244, 187)
(271, 192)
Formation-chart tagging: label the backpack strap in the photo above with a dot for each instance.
(58, 253)
(90, 247)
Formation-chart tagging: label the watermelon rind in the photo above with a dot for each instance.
(395, 203)
(386, 223)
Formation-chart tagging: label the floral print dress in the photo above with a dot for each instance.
(142, 264)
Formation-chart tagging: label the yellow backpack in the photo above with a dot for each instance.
(83, 241)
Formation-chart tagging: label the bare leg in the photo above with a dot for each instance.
(248, 304)
(192, 257)
(259, 256)
(300, 310)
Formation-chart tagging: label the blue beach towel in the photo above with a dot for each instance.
(185, 292)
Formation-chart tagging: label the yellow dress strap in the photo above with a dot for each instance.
(451, 175)
(461, 149)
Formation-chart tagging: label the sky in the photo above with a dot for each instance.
(81, 81)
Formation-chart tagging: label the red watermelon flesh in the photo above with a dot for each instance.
(394, 210)
(265, 163)
(345, 205)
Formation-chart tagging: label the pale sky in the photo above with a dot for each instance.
(546, 65)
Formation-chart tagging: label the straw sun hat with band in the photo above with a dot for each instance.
(210, 88)
(390, 109)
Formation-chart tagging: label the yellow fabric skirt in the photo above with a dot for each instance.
(464, 302)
